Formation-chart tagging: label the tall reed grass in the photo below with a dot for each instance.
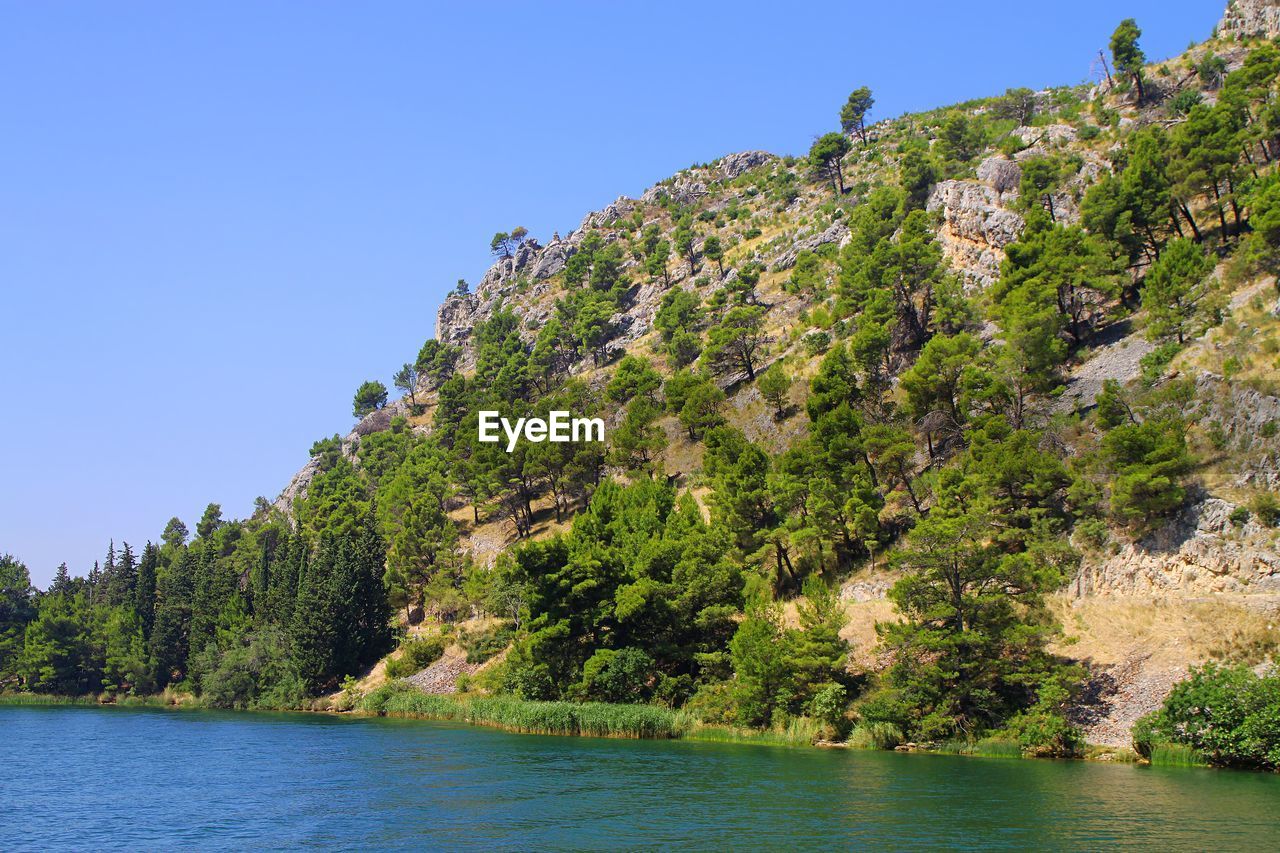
(875, 736)
(992, 747)
(594, 719)
(1176, 755)
(52, 699)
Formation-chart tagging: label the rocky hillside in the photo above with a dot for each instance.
(763, 225)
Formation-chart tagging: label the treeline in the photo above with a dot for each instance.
(247, 614)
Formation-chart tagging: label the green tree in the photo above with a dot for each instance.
(145, 600)
(1127, 57)
(500, 245)
(170, 641)
(633, 378)
(825, 156)
(370, 396)
(637, 440)
(1173, 290)
(854, 112)
(656, 262)
(970, 652)
(701, 408)
(175, 534)
(17, 608)
(435, 362)
(960, 140)
(1148, 462)
(686, 243)
(738, 342)
(59, 653)
(774, 387)
(406, 381)
(714, 251)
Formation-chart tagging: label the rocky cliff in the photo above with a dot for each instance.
(1251, 19)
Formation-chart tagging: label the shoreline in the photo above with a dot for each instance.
(695, 732)
(561, 719)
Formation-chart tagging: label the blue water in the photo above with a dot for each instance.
(94, 778)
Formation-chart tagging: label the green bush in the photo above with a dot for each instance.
(1267, 509)
(829, 706)
(1222, 715)
(1046, 734)
(483, 645)
(416, 654)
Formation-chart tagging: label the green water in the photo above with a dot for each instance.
(93, 778)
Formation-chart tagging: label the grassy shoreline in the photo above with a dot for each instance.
(157, 700)
(570, 719)
(589, 719)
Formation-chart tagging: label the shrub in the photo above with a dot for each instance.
(617, 675)
(415, 655)
(828, 707)
(1046, 733)
(1267, 509)
(483, 645)
(816, 343)
(1223, 714)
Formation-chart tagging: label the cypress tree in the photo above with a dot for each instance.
(171, 633)
(313, 629)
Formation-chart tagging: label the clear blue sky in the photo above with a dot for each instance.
(217, 219)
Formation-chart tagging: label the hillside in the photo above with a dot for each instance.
(1139, 609)
(964, 424)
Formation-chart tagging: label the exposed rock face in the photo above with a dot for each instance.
(1251, 19)
(454, 320)
(1120, 360)
(975, 227)
(297, 487)
(617, 209)
(532, 265)
(1242, 413)
(733, 165)
(532, 262)
(442, 676)
(873, 589)
(836, 232)
(1200, 552)
(1001, 175)
(1115, 697)
(691, 185)
(1045, 136)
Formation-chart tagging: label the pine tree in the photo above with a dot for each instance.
(170, 640)
(122, 584)
(145, 597)
(1174, 288)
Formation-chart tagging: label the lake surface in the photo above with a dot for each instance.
(150, 778)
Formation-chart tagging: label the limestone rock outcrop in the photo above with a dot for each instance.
(1251, 19)
(1201, 551)
(976, 226)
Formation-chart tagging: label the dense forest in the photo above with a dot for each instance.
(925, 440)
